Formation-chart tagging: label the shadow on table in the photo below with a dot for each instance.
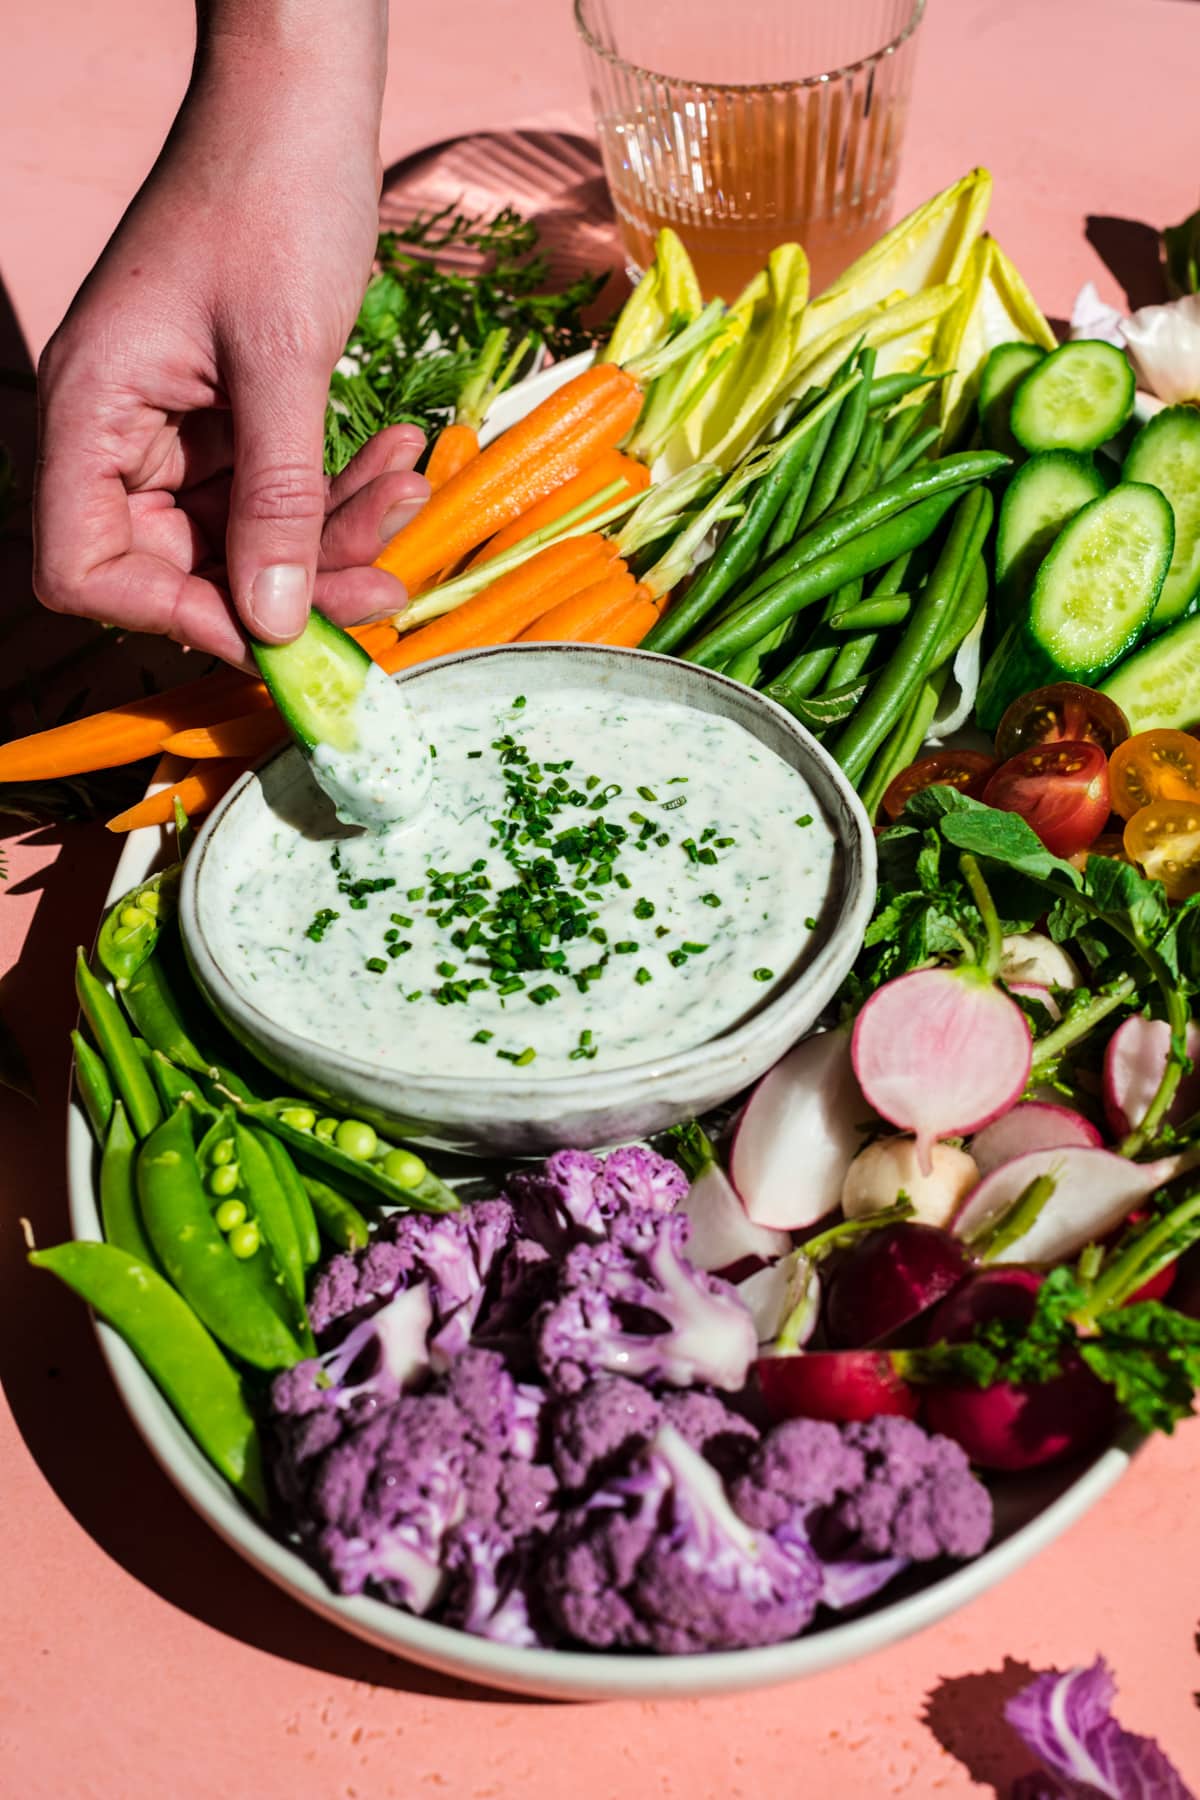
(1130, 251)
(53, 1376)
(965, 1713)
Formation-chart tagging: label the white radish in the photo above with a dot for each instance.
(1033, 990)
(940, 1053)
(1031, 956)
(721, 1235)
(798, 1130)
(1032, 1125)
(890, 1167)
(789, 1289)
(1094, 1192)
(1134, 1064)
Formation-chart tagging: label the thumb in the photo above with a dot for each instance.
(277, 501)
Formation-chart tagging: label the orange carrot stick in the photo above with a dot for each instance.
(574, 619)
(246, 737)
(629, 626)
(503, 610)
(567, 431)
(606, 470)
(198, 792)
(456, 446)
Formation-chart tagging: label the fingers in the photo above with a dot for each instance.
(396, 447)
(359, 528)
(352, 596)
(277, 501)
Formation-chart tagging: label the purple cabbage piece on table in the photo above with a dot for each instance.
(1066, 1720)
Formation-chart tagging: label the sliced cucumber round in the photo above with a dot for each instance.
(1159, 685)
(1041, 497)
(315, 680)
(1005, 368)
(1166, 453)
(1075, 399)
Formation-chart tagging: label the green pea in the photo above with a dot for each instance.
(222, 1152)
(244, 1240)
(229, 1215)
(300, 1118)
(326, 1129)
(223, 1180)
(405, 1169)
(134, 915)
(150, 902)
(356, 1138)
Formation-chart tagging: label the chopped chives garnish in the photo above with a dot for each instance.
(642, 977)
(376, 964)
(483, 1037)
(764, 974)
(805, 819)
(710, 899)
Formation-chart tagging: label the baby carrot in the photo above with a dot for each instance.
(607, 470)
(197, 792)
(248, 737)
(578, 618)
(629, 626)
(456, 446)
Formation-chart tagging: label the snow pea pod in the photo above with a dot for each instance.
(269, 1205)
(226, 1293)
(94, 1084)
(843, 446)
(340, 1219)
(174, 1348)
(130, 1077)
(131, 926)
(915, 655)
(817, 579)
(151, 1003)
(286, 1173)
(118, 1190)
(365, 1174)
(175, 1086)
(892, 497)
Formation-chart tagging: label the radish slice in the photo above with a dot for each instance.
(786, 1293)
(1133, 1067)
(1033, 990)
(799, 1129)
(1094, 1191)
(721, 1235)
(1032, 1125)
(940, 1053)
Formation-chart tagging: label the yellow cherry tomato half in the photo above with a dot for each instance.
(1154, 765)
(1164, 840)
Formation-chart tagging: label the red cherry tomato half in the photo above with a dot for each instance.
(1068, 712)
(965, 770)
(1061, 790)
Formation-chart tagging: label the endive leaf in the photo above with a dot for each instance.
(667, 291)
(767, 349)
(994, 307)
(898, 330)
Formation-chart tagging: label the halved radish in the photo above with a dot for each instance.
(1133, 1067)
(888, 1279)
(796, 1134)
(833, 1384)
(721, 1234)
(787, 1290)
(1031, 1125)
(1094, 1191)
(1033, 990)
(940, 1053)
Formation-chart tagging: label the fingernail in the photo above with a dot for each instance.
(398, 516)
(279, 600)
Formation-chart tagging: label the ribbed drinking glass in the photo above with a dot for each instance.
(784, 124)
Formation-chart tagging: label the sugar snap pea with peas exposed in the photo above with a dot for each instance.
(353, 1150)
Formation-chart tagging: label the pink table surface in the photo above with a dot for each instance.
(138, 1657)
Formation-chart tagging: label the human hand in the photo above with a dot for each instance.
(180, 486)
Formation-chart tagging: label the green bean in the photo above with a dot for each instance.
(738, 549)
(118, 1190)
(817, 579)
(820, 711)
(885, 502)
(115, 1040)
(843, 446)
(226, 1294)
(151, 1003)
(874, 614)
(339, 1219)
(805, 673)
(971, 602)
(886, 390)
(94, 1084)
(365, 1176)
(269, 1206)
(787, 518)
(904, 745)
(174, 1348)
(855, 656)
(892, 690)
(913, 452)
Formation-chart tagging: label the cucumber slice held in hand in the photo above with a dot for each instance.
(1091, 602)
(1166, 453)
(1075, 399)
(364, 745)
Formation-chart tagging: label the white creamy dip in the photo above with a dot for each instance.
(594, 881)
(384, 777)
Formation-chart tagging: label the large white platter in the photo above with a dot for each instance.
(1031, 1510)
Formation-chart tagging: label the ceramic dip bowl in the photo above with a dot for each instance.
(501, 1111)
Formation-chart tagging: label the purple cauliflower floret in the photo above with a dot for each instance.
(634, 1305)
(658, 1560)
(919, 1498)
(593, 1433)
(453, 1253)
(486, 1588)
(709, 1426)
(383, 1506)
(574, 1196)
(801, 1464)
